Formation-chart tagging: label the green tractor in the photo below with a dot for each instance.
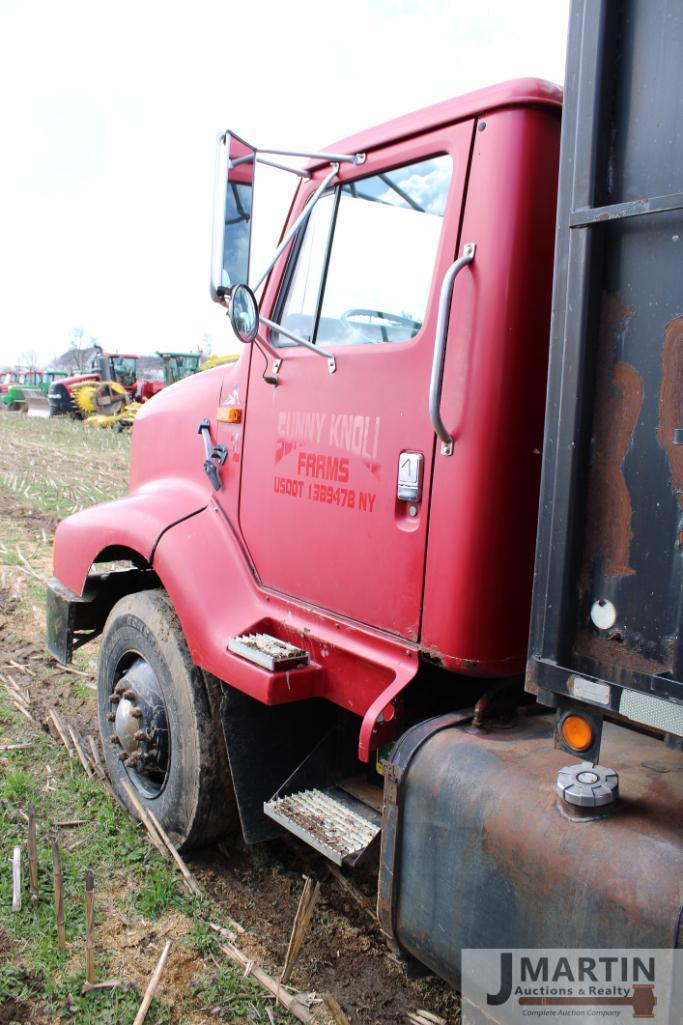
(178, 365)
(22, 384)
(27, 392)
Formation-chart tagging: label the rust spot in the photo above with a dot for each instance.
(612, 651)
(619, 398)
(671, 404)
(432, 654)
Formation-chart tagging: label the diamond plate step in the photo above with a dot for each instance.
(269, 652)
(339, 827)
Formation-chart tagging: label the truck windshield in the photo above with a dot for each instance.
(364, 266)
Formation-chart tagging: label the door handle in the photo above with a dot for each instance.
(410, 473)
(442, 321)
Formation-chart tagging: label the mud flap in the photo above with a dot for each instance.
(73, 619)
(265, 745)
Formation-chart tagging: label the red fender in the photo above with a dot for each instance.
(209, 580)
(167, 482)
(135, 522)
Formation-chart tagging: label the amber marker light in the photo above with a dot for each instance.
(229, 415)
(577, 732)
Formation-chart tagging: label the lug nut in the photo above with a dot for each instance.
(114, 699)
(114, 739)
(136, 713)
(111, 716)
(120, 688)
(130, 695)
(141, 735)
(123, 756)
(131, 762)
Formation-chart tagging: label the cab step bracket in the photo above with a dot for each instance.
(329, 820)
(269, 652)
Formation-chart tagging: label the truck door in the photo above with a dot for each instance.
(322, 509)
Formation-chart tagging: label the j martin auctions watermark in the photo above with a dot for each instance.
(518, 987)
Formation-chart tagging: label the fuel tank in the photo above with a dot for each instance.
(479, 851)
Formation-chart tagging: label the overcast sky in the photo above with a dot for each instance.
(110, 113)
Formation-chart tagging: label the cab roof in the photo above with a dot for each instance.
(519, 92)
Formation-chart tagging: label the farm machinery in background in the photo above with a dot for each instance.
(112, 387)
(176, 366)
(108, 394)
(25, 391)
(110, 382)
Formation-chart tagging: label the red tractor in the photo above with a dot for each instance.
(6, 378)
(110, 382)
(324, 622)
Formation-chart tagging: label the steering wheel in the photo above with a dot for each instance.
(348, 320)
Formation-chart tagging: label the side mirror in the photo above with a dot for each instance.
(243, 313)
(233, 202)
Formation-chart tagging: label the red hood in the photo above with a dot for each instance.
(76, 379)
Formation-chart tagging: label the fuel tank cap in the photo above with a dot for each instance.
(587, 785)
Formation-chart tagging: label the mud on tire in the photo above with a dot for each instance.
(147, 684)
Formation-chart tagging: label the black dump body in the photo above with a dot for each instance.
(608, 598)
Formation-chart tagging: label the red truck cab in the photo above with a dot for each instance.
(331, 541)
(308, 524)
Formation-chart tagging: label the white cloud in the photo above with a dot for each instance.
(109, 115)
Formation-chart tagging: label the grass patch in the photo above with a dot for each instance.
(36, 473)
(62, 999)
(159, 893)
(131, 881)
(240, 998)
(36, 972)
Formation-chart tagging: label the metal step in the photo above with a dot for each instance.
(333, 823)
(269, 652)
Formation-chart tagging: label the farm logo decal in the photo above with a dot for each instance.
(511, 987)
(325, 446)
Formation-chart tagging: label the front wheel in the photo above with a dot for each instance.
(156, 724)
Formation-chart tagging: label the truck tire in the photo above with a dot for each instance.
(156, 723)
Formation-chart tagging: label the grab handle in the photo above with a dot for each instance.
(436, 383)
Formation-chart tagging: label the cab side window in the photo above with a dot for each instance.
(365, 264)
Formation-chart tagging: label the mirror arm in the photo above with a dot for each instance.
(299, 223)
(228, 131)
(336, 158)
(299, 340)
(299, 171)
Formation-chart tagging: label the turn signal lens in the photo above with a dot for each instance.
(577, 732)
(229, 415)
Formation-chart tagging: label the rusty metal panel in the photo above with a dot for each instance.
(478, 840)
(609, 572)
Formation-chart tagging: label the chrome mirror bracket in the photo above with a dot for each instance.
(298, 223)
(300, 340)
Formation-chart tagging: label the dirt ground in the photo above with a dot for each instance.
(344, 953)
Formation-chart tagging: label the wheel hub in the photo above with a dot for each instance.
(141, 726)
